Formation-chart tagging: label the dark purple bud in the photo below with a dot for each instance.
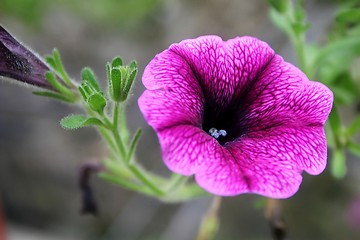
(89, 205)
(18, 62)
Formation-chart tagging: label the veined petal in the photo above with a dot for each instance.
(223, 68)
(233, 170)
(283, 96)
(247, 58)
(185, 147)
(164, 108)
(301, 147)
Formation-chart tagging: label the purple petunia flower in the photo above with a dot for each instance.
(19, 63)
(236, 115)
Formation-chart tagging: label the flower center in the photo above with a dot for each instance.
(217, 133)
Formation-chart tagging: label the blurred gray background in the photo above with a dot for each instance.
(39, 160)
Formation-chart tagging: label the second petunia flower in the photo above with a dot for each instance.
(236, 115)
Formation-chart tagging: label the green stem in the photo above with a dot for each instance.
(176, 182)
(126, 184)
(299, 43)
(146, 181)
(107, 137)
(116, 115)
(119, 144)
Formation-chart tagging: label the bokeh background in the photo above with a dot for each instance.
(39, 161)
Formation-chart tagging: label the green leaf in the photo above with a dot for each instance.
(88, 75)
(348, 16)
(97, 102)
(281, 22)
(342, 96)
(299, 27)
(338, 166)
(341, 51)
(133, 144)
(279, 5)
(299, 11)
(354, 148)
(54, 95)
(78, 121)
(116, 62)
(353, 128)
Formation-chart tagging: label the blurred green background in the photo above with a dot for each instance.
(39, 160)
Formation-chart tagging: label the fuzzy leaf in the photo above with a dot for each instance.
(78, 121)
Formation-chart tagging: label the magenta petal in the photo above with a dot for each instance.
(163, 109)
(283, 95)
(302, 147)
(232, 171)
(184, 148)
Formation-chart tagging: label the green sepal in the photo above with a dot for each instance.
(129, 82)
(82, 92)
(54, 95)
(97, 102)
(88, 76)
(50, 60)
(133, 65)
(50, 77)
(60, 68)
(72, 122)
(338, 164)
(116, 83)
(116, 62)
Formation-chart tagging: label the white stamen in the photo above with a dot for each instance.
(217, 133)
